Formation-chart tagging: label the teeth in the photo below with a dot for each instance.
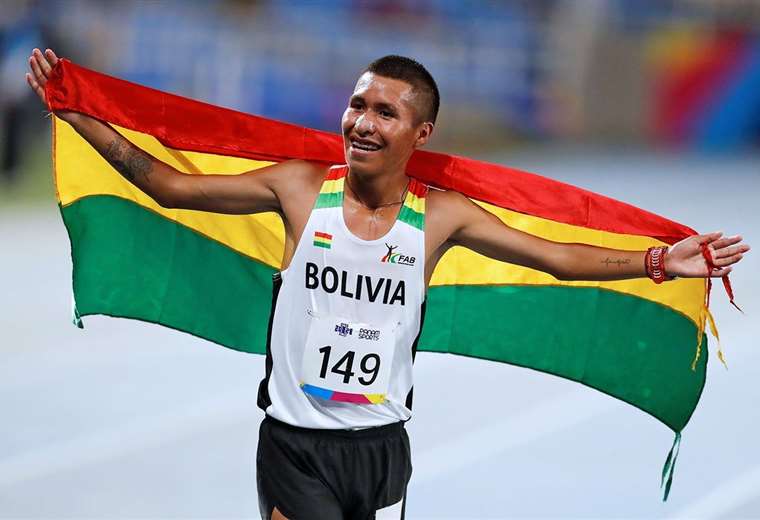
(365, 147)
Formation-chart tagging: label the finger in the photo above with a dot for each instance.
(722, 262)
(726, 241)
(51, 57)
(42, 60)
(717, 273)
(709, 237)
(38, 75)
(731, 250)
(35, 86)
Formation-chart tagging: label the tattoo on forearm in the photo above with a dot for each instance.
(128, 160)
(618, 261)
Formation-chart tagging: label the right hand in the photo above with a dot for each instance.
(41, 66)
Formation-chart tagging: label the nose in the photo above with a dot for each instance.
(364, 125)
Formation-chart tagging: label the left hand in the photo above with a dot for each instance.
(685, 259)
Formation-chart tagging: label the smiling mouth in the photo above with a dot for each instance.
(364, 146)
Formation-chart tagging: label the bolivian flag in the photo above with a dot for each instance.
(210, 274)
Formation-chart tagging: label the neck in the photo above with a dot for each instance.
(377, 190)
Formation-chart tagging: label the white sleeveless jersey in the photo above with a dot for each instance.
(346, 316)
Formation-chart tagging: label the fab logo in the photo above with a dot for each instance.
(391, 257)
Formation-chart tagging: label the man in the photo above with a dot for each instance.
(344, 325)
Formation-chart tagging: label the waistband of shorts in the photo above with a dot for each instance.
(372, 432)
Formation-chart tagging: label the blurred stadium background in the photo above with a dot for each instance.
(655, 102)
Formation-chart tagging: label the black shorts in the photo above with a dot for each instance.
(331, 474)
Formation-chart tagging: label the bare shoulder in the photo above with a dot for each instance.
(445, 212)
(298, 174)
(444, 200)
(295, 180)
(297, 186)
(447, 204)
(304, 168)
(451, 213)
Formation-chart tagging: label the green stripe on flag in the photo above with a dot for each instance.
(411, 217)
(633, 349)
(329, 200)
(159, 271)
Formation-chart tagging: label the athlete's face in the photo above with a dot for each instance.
(382, 126)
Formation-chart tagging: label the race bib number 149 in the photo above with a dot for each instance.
(348, 362)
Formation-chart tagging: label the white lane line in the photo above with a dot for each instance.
(222, 410)
(726, 497)
(540, 420)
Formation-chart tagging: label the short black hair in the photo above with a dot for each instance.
(412, 72)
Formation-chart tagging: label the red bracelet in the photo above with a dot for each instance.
(654, 263)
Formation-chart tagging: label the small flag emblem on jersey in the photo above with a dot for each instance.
(322, 239)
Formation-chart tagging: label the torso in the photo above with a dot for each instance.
(361, 296)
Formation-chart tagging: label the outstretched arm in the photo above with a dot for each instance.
(251, 192)
(484, 233)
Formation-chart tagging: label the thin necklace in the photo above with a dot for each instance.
(385, 205)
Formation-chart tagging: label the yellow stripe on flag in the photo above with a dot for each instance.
(460, 266)
(415, 203)
(82, 172)
(332, 186)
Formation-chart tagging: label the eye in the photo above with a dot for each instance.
(387, 114)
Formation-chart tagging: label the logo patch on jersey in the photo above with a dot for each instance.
(392, 257)
(344, 330)
(370, 334)
(322, 239)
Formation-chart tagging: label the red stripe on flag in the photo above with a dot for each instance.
(174, 121)
(417, 188)
(323, 235)
(336, 173)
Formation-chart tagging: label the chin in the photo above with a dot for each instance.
(363, 166)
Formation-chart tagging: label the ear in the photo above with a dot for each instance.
(424, 132)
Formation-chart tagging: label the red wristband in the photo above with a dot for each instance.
(654, 263)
